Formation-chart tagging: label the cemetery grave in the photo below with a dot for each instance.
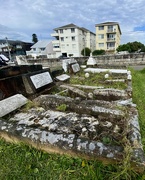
(88, 113)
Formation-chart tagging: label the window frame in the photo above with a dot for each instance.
(100, 28)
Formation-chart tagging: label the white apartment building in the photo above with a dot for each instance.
(71, 39)
(42, 48)
(108, 36)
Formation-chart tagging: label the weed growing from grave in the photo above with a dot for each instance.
(62, 107)
(28, 106)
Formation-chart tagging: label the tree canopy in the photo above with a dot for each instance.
(131, 47)
(86, 51)
(34, 38)
(98, 52)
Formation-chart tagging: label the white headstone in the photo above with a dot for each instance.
(41, 79)
(91, 61)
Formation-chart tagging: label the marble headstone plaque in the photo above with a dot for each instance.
(42, 79)
(75, 67)
(66, 62)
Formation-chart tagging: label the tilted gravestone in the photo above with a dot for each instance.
(75, 67)
(37, 81)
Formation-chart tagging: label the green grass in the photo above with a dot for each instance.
(19, 161)
(139, 99)
(96, 79)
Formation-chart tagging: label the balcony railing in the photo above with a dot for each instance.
(111, 30)
(56, 49)
(110, 39)
(55, 42)
(110, 48)
(54, 34)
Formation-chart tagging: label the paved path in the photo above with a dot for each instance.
(139, 67)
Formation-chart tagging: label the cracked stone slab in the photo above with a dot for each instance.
(72, 133)
(57, 129)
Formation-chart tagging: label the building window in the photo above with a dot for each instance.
(34, 49)
(101, 36)
(42, 49)
(111, 45)
(101, 27)
(73, 46)
(73, 38)
(110, 28)
(72, 30)
(63, 46)
(101, 44)
(61, 31)
(56, 45)
(62, 38)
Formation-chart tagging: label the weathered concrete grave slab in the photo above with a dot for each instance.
(12, 103)
(76, 133)
(98, 70)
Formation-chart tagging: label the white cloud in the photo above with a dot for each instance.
(42, 16)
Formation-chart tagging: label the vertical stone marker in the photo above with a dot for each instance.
(91, 61)
(12, 103)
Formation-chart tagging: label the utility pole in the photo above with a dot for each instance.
(10, 57)
(84, 47)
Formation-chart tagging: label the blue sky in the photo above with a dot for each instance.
(20, 19)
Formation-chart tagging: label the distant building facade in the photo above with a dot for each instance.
(14, 48)
(71, 39)
(42, 48)
(108, 36)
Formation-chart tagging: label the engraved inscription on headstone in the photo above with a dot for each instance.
(41, 79)
(75, 67)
